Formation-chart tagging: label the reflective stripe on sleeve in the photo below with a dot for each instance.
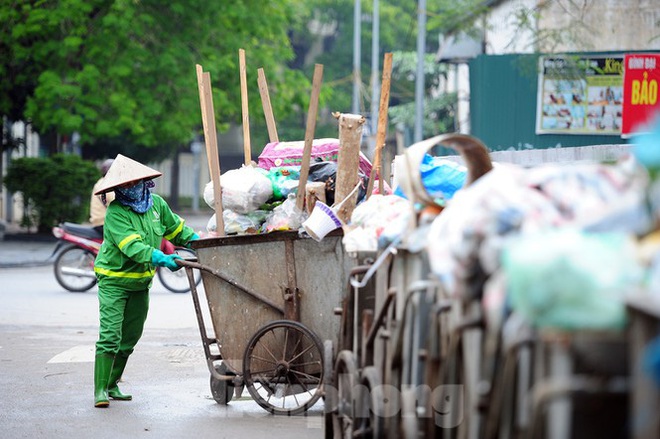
(175, 232)
(126, 240)
(125, 274)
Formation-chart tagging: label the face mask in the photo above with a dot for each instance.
(137, 197)
(133, 193)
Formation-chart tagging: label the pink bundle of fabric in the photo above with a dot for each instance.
(278, 154)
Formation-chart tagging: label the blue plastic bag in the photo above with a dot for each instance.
(441, 178)
(651, 360)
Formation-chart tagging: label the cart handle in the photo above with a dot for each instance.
(391, 249)
(216, 273)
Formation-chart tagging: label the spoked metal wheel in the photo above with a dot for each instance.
(370, 409)
(74, 269)
(345, 379)
(283, 367)
(177, 281)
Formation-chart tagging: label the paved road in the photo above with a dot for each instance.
(46, 361)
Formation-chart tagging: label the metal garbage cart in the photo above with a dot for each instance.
(271, 299)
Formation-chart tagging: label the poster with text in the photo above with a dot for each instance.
(640, 92)
(580, 95)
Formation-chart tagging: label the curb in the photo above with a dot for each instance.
(30, 237)
(39, 246)
(26, 264)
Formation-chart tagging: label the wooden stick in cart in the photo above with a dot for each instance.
(247, 149)
(268, 109)
(309, 134)
(350, 127)
(211, 141)
(202, 104)
(382, 126)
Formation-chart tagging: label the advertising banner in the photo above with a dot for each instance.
(580, 95)
(640, 92)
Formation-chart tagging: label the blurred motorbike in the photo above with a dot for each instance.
(78, 246)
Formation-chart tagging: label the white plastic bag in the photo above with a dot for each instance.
(238, 224)
(243, 190)
(286, 216)
(376, 222)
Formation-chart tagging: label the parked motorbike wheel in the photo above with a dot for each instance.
(177, 281)
(74, 269)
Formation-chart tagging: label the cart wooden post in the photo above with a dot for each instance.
(309, 134)
(211, 141)
(350, 136)
(376, 170)
(268, 109)
(247, 147)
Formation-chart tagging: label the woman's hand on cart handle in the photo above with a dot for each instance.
(160, 259)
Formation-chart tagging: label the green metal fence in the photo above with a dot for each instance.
(503, 99)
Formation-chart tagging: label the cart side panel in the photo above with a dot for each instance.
(322, 275)
(258, 266)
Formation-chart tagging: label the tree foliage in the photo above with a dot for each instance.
(398, 34)
(57, 188)
(122, 72)
(126, 69)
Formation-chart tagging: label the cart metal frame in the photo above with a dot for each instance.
(269, 325)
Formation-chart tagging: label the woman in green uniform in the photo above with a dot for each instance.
(135, 223)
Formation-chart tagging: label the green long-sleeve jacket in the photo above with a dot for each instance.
(129, 238)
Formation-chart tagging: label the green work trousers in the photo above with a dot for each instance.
(122, 315)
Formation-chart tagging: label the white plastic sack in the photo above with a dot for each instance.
(243, 190)
(238, 224)
(376, 222)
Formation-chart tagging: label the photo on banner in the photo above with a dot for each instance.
(580, 95)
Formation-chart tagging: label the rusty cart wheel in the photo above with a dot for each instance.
(345, 379)
(222, 390)
(329, 391)
(370, 409)
(283, 367)
(448, 405)
(409, 419)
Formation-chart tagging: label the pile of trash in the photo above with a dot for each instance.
(262, 199)
(383, 219)
(557, 243)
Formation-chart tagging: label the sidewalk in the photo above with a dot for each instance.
(22, 249)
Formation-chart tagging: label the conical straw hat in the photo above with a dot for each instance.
(125, 170)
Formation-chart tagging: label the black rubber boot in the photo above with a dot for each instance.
(115, 376)
(102, 368)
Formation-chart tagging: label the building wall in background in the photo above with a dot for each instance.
(502, 84)
(11, 205)
(572, 26)
(501, 33)
(601, 25)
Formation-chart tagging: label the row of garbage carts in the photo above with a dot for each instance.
(517, 308)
